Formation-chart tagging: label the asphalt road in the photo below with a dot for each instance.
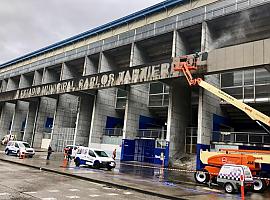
(23, 183)
(20, 182)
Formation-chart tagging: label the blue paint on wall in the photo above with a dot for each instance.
(114, 122)
(49, 122)
(217, 122)
(149, 122)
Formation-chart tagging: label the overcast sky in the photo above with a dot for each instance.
(28, 25)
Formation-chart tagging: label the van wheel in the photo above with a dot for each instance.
(228, 187)
(77, 162)
(259, 185)
(201, 177)
(7, 152)
(96, 165)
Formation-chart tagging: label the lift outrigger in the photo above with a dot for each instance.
(213, 161)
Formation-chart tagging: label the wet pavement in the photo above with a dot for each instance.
(144, 178)
(24, 183)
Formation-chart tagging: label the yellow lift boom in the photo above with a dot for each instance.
(188, 63)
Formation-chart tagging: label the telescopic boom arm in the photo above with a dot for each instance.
(186, 64)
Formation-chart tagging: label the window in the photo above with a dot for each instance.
(91, 153)
(231, 79)
(101, 154)
(16, 145)
(262, 75)
(249, 77)
(26, 145)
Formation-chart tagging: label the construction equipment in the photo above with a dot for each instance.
(215, 160)
(258, 162)
(189, 63)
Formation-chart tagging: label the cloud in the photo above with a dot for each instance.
(29, 25)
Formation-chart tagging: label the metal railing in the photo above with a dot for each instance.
(151, 133)
(113, 131)
(241, 137)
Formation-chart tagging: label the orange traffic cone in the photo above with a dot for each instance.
(65, 162)
(22, 155)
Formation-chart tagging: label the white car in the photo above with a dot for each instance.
(17, 147)
(93, 157)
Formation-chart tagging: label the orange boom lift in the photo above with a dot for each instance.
(214, 160)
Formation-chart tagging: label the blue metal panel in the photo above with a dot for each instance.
(165, 152)
(199, 147)
(127, 19)
(127, 151)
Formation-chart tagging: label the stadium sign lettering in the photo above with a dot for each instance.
(134, 75)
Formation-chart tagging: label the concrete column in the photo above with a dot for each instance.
(50, 76)
(46, 111)
(104, 104)
(68, 72)
(179, 104)
(19, 119)
(12, 84)
(206, 37)
(179, 46)
(4, 85)
(64, 121)
(90, 67)
(83, 121)
(38, 76)
(137, 98)
(179, 112)
(6, 118)
(25, 81)
(209, 104)
(137, 56)
(30, 122)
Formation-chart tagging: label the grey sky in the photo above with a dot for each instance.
(28, 25)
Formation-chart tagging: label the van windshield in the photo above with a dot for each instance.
(101, 154)
(24, 144)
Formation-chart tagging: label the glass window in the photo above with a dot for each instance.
(235, 92)
(101, 154)
(262, 75)
(156, 88)
(91, 153)
(166, 100)
(26, 145)
(155, 100)
(16, 145)
(262, 91)
(121, 93)
(249, 92)
(231, 79)
(249, 77)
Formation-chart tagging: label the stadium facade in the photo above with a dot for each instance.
(113, 86)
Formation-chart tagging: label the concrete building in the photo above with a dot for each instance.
(113, 86)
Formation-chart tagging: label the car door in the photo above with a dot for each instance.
(16, 147)
(91, 156)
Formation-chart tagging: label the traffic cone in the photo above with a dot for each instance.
(65, 162)
(22, 155)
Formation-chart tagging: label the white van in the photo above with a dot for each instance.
(229, 178)
(19, 147)
(93, 157)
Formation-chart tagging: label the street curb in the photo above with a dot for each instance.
(96, 180)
